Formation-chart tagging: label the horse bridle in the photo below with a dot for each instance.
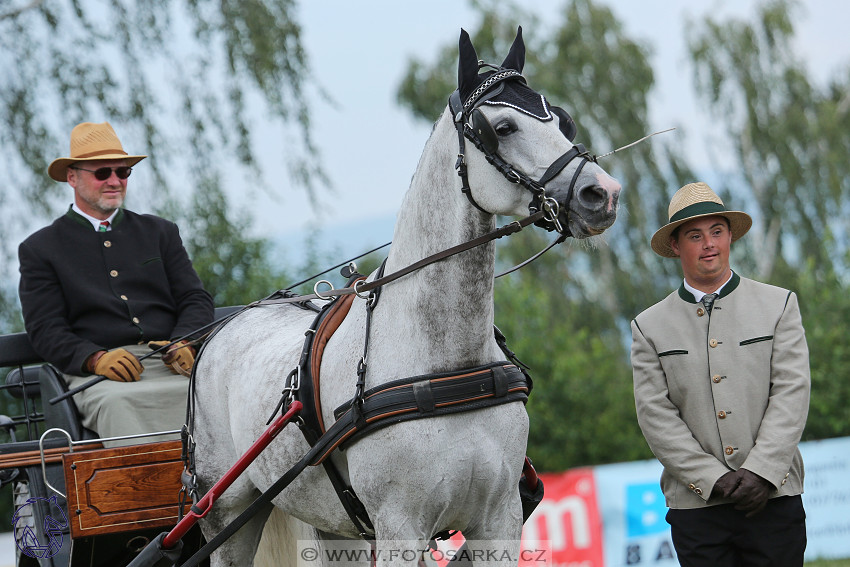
(471, 124)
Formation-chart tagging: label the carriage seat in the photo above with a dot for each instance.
(47, 382)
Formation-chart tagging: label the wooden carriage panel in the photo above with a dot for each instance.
(123, 489)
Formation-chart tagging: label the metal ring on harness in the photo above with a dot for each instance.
(318, 294)
(551, 209)
(357, 290)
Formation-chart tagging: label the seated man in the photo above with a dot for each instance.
(100, 282)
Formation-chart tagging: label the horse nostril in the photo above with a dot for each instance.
(592, 197)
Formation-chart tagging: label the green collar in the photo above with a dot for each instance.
(727, 289)
(80, 219)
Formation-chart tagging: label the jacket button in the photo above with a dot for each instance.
(729, 450)
(124, 297)
(721, 414)
(107, 243)
(700, 312)
(784, 480)
(713, 343)
(716, 378)
(698, 491)
(692, 486)
(113, 273)
(136, 320)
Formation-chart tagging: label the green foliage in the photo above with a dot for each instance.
(829, 563)
(582, 408)
(233, 265)
(826, 309)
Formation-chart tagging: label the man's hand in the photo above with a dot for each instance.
(179, 358)
(725, 485)
(751, 493)
(119, 365)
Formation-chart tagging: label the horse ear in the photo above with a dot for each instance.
(516, 56)
(467, 67)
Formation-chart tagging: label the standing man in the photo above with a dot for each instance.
(101, 282)
(721, 381)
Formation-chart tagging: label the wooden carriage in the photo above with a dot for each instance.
(76, 503)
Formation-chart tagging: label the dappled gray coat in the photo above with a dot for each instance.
(719, 392)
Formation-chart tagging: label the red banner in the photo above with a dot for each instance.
(568, 519)
(565, 529)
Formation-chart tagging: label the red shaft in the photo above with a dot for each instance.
(206, 503)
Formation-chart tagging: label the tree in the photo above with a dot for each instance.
(790, 142)
(189, 82)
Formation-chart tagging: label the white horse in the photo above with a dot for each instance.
(421, 477)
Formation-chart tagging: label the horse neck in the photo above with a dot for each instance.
(448, 305)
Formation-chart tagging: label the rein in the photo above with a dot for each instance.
(364, 287)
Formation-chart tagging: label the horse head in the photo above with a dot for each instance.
(530, 143)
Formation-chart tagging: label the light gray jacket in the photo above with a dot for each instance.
(718, 392)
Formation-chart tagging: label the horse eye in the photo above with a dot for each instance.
(505, 127)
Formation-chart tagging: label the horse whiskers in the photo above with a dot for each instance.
(636, 142)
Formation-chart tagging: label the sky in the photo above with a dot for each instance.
(358, 51)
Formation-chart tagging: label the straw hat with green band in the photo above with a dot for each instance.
(692, 201)
(91, 142)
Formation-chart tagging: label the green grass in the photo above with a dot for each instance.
(829, 563)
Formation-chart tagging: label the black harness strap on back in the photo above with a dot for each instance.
(426, 396)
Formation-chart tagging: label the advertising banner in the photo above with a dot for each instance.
(613, 515)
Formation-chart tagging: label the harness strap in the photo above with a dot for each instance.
(438, 394)
(559, 164)
(312, 425)
(330, 322)
(505, 230)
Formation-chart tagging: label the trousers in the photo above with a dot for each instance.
(721, 535)
(155, 403)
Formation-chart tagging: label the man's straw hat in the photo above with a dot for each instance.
(692, 201)
(91, 142)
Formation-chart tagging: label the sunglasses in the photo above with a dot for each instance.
(104, 173)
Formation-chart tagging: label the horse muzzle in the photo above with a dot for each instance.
(590, 207)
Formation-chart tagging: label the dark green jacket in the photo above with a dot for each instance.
(82, 291)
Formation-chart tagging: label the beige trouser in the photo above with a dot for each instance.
(157, 402)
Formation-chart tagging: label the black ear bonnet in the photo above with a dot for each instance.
(518, 95)
(502, 85)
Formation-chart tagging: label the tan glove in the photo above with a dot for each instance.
(179, 358)
(119, 365)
